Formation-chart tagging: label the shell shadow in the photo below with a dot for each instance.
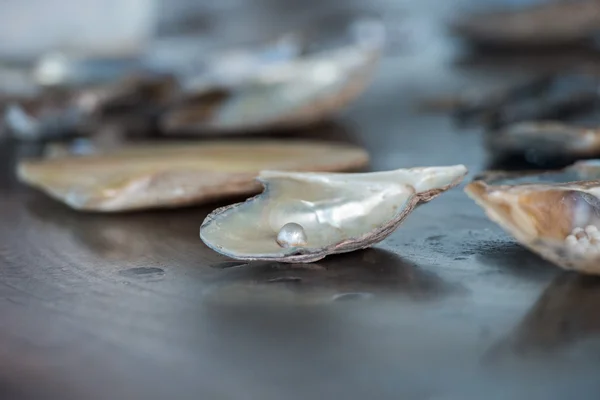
(122, 237)
(513, 258)
(365, 275)
(564, 315)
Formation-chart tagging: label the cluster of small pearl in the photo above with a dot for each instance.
(584, 241)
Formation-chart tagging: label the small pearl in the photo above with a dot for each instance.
(571, 240)
(577, 230)
(291, 235)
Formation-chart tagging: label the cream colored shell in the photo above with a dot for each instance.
(338, 212)
(548, 218)
(177, 174)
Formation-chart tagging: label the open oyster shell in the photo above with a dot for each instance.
(550, 214)
(172, 175)
(70, 111)
(300, 79)
(336, 213)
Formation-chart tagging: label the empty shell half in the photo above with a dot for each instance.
(159, 175)
(587, 170)
(558, 221)
(301, 79)
(303, 217)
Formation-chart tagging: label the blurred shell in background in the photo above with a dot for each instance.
(588, 170)
(546, 23)
(299, 79)
(545, 140)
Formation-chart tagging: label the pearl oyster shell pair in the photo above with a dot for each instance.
(303, 217)
(554, 214)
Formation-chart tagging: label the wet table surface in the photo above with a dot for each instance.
(448, 307)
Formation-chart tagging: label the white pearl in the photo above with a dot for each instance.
(577, 230)
(292, 235)
(571, 240)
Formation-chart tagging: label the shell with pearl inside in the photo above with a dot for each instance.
(555, 214)
(303, 217)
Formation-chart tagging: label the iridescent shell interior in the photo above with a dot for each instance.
(338, 212)
(556, 214)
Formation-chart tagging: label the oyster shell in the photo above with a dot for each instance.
(557, 219)
(172, 175)
(299, 80)
(547, 141)
(72, 69)
(554, 23)
(337, 212)
(59, 113)
(587, 170)
(479, 103)
(534, 98)
(47, 114)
